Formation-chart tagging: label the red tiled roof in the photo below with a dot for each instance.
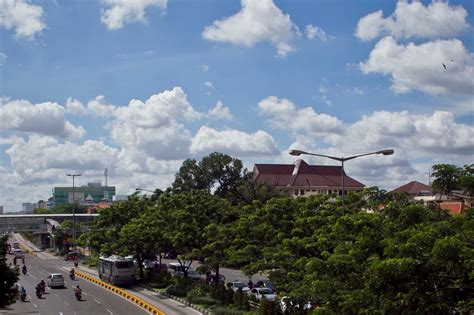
(302, 174)
(413, 188)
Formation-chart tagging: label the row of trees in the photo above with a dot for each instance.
(403, 258)
(8, 276)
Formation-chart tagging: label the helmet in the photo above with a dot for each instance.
(78, 287)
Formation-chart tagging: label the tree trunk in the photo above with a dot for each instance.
(217, 275)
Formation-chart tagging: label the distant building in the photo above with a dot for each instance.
(302, 179)
(120, 198)
(1, 209)
(28, 207)
(90, 194)
(414, 189)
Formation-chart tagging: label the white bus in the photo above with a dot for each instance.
(116, 270)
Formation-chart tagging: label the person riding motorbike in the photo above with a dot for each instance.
(78, 292)
(24, 269)
(42, 286)
(39, 291)
(71, 274)
(23, 294)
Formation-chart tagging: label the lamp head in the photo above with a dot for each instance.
(296, 152)
(386, 152)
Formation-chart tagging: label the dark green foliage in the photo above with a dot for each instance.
(204, 300)
(8, 276)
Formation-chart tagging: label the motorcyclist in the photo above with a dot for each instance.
(39, 291)
(71, 274)
(42, 286)
(24, 269)
(78, 292)
(23, 293)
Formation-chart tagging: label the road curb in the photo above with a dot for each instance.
(129, 296)
(180, 300)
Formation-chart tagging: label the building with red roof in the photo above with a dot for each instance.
(414, 189)
(302, 179)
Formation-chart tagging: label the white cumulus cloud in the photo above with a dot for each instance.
(220, 112)
(120, 12)
(413, 19)
(312, 32)
(258, 20)
(233, 142)
(44, 118)
(99, 107)
(420, 67)
(24, 18)
(284, 114)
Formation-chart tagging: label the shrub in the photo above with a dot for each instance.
(161, 280)
(176, 291)
(225, 311)
(205, 300)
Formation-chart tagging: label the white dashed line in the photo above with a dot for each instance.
(97, 301)
(33, 276)
(66, 303)
(34, 304)
(56, 294)
(110, 312)
(84, 293)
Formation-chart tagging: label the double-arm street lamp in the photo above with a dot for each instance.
(342, 160)
(73, 209)
(142, 189)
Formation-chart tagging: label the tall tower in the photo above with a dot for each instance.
(105, 175)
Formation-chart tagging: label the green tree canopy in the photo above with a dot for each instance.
(8, 276)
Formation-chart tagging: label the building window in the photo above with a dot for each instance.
(302, 192)
(296, 192)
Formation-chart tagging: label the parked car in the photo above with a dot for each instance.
(193, 275)
(238, 285)
(262, 293)
(212, 278)
(287, 304)
(265, 283)
(55, 280)
(148, 264)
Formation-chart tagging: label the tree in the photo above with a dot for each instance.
(218, 173)
(466, 180)
(446, 178)
(8, 276)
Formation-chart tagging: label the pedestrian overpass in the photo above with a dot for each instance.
(40, 223)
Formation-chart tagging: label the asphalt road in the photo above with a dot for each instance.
(95, 300)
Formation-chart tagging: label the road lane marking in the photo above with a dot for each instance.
(56, 294)
(98, 302)
(66, 303)
(33, 276)
(110, 312)
(84, 293)
(34, 304)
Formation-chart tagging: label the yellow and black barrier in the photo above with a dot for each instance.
(131, 297)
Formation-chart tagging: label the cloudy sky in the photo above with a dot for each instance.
(137, 86)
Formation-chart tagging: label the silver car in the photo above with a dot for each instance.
(55, 280)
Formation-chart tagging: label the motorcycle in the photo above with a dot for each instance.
(24, 270)
(72, 276)
(39, 293)
(23, 297)
(78, 295)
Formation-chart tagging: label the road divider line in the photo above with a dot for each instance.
(110, 312)
(129, 296)
(33, 276)
(66, 303)
(97, 301)
(34, 304)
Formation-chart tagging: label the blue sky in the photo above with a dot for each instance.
(139, 86)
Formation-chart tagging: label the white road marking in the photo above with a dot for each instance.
(56, 294)
(110, 312)
(33, 276)
(34, 304)
(84, 293)
(66, 303)
(98, 302)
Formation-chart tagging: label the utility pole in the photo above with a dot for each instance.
(73, 210)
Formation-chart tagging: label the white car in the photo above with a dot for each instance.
(55, 280)
(262, 293)
(287, 304)
(237, 285)
(17, 253)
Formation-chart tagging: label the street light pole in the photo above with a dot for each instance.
(73, 210)
(342, 160)
(142, 189)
